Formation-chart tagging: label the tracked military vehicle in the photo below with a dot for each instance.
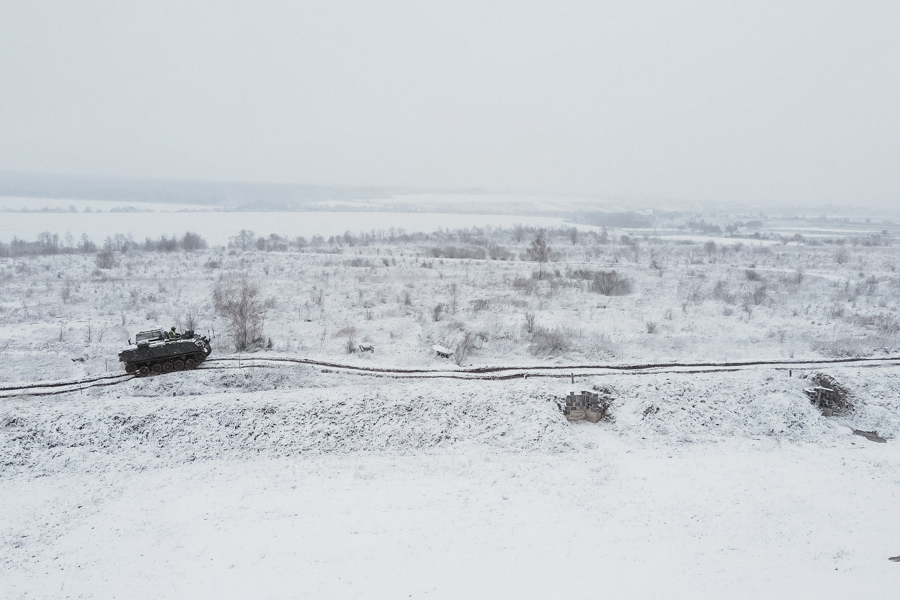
(157, 352)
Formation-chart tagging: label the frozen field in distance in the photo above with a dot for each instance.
(217, 226)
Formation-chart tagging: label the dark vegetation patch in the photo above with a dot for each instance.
(607, 283)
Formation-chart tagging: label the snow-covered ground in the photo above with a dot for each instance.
(299, 481)
(737, 487)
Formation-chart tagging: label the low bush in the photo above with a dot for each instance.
(105, 259)
(475, 252)
(610, 283)
(546, 342)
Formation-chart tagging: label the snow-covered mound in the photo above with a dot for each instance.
(755, 403)
(42, 435)
(266, 413)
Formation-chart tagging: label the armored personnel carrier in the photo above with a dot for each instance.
(156, 352)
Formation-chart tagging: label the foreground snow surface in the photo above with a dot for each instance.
(434, 490)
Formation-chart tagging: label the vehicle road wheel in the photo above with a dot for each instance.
(167, 367)
(130, 368)
(199, 357)
(190, 363)
(179, 365)
(144, 371)
(156, 369)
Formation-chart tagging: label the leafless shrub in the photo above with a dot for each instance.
(758, 294)
(235, 297)
(602, 344)
(695, 293)
(350, 346)
(454, 297)
(190, 320)
(836, 311)
(842, 347)
(884, 323)
(105, 259)
(720, 289)
(841, 256)
(651, 326)
(318, 297)
(546, 342)
(500, 253)
(752, 275)
(778, 334)
(437, 311)
(529, 321)
(528, 285)
(358, 262)
(518, 232)
(539, 251)
(610, 283)
(480, 304)
(463, 348)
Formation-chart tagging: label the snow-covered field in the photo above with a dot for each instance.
(299, 482)
(737, 488)
(107, 218)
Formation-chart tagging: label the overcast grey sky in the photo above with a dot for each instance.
(734, 101)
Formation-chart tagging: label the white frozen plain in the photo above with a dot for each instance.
(446, 490)
(293, 482)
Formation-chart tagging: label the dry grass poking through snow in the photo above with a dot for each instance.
(598, 298)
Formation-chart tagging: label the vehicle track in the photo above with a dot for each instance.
(50, 388)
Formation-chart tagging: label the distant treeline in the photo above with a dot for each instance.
(485, 238)
(51, 243)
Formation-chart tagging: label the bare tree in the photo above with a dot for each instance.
(529, 321)
(539, 251)
(454, 297)
(244, 239)
(190, 319)
(235, 297)
(463, 348)
(519, 232)
(105, 259)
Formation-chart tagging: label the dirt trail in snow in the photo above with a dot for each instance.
(50, 388)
